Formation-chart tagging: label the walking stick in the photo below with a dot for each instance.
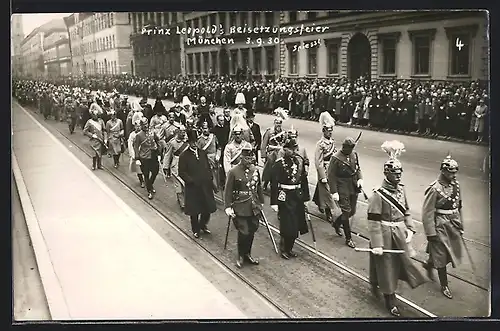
(312, 229)
(269, 231)
(227, 231)
(473, 266)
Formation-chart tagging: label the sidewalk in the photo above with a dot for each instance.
(97, 258)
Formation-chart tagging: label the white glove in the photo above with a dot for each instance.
(230, 212)
(377, 251)
(324, 181)
(461, 231)
(159, 158)
(274, 207)
(94, 136)
(409, 235)
(360, 183)
(336, 196)
(138, 162)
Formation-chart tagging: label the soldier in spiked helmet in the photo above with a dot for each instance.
(391, 228)
(443, 224)
(325, 148)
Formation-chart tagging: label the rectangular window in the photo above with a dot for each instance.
(312, 58)
(215, 68)
(244, 18)
(245, 58)
(113, 45)
(460, 54)
(333, 58)
(389, 56)
(256, 20)
(292, 16)
(222, 18)
(257, 67)
(198, 63)
(234, 61)
(311, 15)
(270, 56)
(158, 19)
(293, 60)
(422, 49)
(232, 19)
(174, 17)
(269, 19)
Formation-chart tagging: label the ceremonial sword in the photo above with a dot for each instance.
(356, 141)
(269, 230)
(312, 229)
(396, 251)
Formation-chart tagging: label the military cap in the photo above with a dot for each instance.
(349, 142)
(237, 129)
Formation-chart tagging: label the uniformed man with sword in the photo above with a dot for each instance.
(345, 181)
(391, 230)
(443, 224)
(243, 200)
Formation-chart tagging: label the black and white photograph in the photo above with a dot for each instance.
(249, 165)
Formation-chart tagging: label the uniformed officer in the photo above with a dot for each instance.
(345, 181)
(443, 223)
(207, 142)
(391, 228)
(325, 148)
(175, 147)
(243, 200)
(272, 142)
(232, 151)
(288, 195)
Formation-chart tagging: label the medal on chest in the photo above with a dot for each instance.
(450, 193)
(252, 179)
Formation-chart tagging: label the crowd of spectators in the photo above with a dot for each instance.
(446, 109)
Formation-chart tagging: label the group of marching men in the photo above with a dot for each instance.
(189, 146)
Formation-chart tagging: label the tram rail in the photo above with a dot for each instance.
(307, 247)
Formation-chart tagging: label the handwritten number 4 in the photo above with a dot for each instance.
(458, 44)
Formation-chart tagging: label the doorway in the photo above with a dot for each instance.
(359, 57)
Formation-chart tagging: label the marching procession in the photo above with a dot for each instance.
(206, 151)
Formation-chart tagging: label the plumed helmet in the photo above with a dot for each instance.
(394, 149)
(240, 99)
(326, 120)
(281, 114)
(449, 164)
(186, 101)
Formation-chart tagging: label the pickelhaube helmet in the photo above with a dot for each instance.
(393, 149)
(449, 164)
(292, 133)
(290, 143)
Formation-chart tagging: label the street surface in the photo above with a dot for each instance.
(308, 286)
(28, 295)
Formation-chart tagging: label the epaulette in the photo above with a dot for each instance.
(279, 159)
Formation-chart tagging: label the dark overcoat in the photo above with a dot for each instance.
(197, 176)
(291, 212)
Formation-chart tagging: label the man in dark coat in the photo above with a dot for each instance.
(194, 170)
(345, 181)
(255, 128)
(289, 192)
(243, 200)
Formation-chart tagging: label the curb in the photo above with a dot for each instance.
(53, 292)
